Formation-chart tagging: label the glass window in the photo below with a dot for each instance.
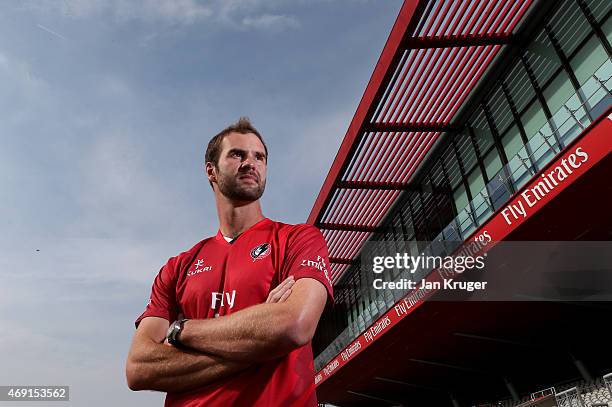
(520, 87)
(445, 208)
(570, 120)
(482, 131)
(461, 198)
(499, 189)
(542, 58)
(397, 228)
(558, 92)
(607, 29)
(451, 233)
(466, 151)
(520, 169)
(599, 8)
(597, 89)
(569, 26)
(465, 221)
(464, 218)
(533, 119)
(492, 163)
(437, 176)
(479, 199)
(452, 166)
(542, 146)
(500, 110)
(590, 57)
(476, 182)
(407, 219)
(512, 142)
(413, 248)
(480, 203)
(430, 212)
(420, 222)
(415, 204)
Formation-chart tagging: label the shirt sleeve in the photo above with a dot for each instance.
(162, 302)
(306, 256)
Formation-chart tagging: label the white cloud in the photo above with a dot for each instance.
(254, 15)
(153, 11)
(230, 6)
(170, 11)
(270, 22)
(241, 14)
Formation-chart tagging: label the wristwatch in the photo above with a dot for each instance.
(174, 330)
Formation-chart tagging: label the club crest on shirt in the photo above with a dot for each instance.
(261, 251)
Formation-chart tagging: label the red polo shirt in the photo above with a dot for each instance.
(216, 278)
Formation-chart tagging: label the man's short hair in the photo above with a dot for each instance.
(243, 126)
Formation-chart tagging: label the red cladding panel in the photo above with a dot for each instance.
(421, 79)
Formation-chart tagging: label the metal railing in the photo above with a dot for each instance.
(569, 398)
(565, 125)
(543, 393)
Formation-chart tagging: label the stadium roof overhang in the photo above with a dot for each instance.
(435, 56)
(474, 351)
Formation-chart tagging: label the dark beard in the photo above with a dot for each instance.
(229, 187)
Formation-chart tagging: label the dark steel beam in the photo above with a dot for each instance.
(458, 41)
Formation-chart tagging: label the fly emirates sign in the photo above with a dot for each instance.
(549, 180)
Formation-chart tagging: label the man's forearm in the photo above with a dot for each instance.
(165, 368)
(155, 365)
(260, 332)
(254, 334)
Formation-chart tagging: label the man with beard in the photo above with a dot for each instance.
(229, 322)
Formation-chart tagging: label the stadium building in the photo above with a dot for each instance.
(473, 109)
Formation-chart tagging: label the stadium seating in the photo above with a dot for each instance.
(596, 393)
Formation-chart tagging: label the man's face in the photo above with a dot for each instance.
(241, 173)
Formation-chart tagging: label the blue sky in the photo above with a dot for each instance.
(107, 107)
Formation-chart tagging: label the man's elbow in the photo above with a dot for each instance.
(300, 331)
(302, 316)
(136, 378)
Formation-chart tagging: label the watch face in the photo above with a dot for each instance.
(169, 332)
